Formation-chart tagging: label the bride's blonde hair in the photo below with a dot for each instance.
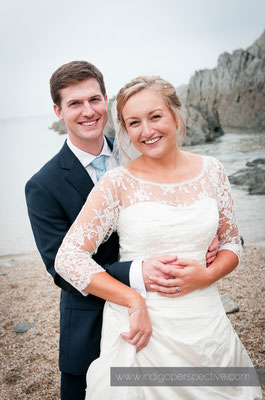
(159, 85)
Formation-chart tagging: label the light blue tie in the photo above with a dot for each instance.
(99, 164)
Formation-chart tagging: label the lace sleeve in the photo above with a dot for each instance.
(227, 230)
(94, 225)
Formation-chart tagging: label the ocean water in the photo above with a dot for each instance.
(27, 143)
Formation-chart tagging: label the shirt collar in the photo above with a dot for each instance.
(86, 158)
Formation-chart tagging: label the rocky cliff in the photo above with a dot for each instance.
(230, 96)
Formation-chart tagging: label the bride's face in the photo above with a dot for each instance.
(150, 124)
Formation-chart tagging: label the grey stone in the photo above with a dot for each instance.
(23, 327)
(59, 126)
(256, 162)
(230, 96)
(229, 304)
(252, 178)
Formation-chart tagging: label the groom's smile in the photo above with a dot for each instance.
(84, 111)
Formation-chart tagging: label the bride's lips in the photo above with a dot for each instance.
(152, 142)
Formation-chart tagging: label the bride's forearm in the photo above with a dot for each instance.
(224, 263)
(108, 288)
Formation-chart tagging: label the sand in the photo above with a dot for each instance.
(29, 360)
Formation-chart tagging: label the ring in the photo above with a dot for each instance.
(177, 289)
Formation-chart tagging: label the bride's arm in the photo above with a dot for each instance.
(94, 224)
(230, 247)
(188, 275)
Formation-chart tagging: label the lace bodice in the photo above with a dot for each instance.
(151, 219)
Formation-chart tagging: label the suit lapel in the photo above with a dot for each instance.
(75, 173)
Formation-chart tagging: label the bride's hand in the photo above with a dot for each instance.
(140, 327)
(186, 274)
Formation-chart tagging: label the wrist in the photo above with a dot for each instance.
(136, 301)
(209, 276)
(136, 309)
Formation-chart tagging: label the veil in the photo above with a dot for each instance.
(122, 152)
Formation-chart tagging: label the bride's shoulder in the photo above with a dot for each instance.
(213, 162)
(113, 175)
(214, 168)
(115, 171)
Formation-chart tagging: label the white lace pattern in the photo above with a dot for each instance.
(193, 210)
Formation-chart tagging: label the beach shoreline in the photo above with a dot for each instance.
(29, 362)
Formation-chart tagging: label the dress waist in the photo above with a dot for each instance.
(200, 301)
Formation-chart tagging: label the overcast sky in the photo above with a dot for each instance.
(124, 39)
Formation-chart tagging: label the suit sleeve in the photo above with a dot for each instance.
(49, 225)
(94, 225)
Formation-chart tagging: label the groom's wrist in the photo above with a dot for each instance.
(136, 277)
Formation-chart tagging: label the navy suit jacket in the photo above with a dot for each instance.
(54, 196)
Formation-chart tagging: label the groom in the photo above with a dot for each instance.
(56, 194)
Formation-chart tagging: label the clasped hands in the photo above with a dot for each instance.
(171, 276)
(175, 278)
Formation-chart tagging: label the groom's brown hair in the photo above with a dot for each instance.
(71, 73)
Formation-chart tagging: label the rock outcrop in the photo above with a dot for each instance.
(59, 126)
(230, 96)
(251, 178)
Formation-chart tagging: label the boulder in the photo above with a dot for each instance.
(229, 304)
(251, 178)
(230, 96)
(23, 327)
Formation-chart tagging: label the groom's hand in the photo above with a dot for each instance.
(212, 251)
(155, 267)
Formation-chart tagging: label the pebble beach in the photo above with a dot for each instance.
(29, 360)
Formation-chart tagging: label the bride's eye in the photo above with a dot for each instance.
(133, 123)
(156, 116)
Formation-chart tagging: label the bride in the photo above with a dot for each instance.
(167, 201)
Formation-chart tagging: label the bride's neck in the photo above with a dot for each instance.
(171, 162)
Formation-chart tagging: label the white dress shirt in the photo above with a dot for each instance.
(135, 275)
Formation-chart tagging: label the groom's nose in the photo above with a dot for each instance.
(87, 110)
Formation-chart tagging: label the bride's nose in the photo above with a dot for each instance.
(147, 130)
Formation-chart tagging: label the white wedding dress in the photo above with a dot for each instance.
(154, 219)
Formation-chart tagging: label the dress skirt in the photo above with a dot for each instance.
(188, 331)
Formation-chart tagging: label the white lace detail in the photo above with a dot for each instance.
(191, 212)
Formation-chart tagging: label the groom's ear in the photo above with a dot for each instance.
(58, 111)
(106, 99)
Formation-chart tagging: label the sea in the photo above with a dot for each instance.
(28, 143)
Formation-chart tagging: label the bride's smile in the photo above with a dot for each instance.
(151, 125)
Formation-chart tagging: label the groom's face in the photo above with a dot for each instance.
(84, 111)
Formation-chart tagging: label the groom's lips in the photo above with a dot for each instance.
(89, 123)
(152, 142)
